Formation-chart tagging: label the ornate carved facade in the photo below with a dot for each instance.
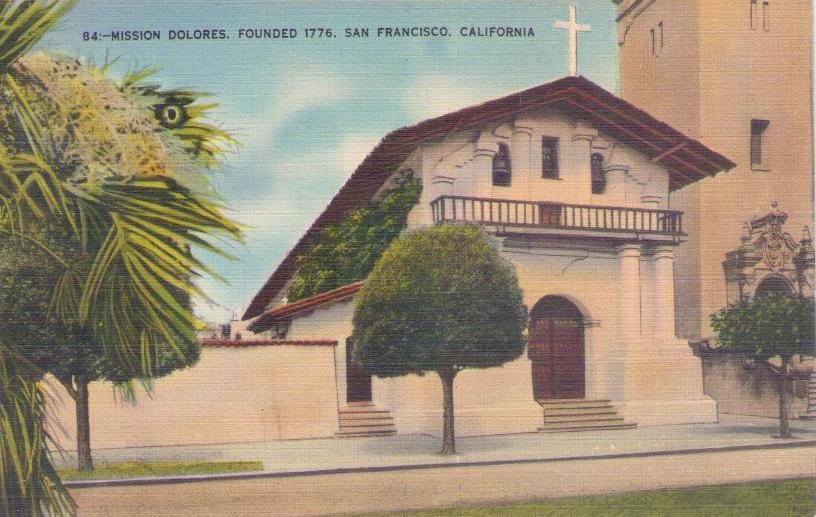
(769, 260)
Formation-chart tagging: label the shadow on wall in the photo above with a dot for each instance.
(743, 386)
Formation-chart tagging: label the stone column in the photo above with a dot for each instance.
(482, 165)
(629, 315)
(521, 160)
(440, 186)
(664, 295)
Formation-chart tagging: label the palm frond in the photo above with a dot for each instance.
(29, 485)
(136, 293)
(137, 226)
(23, 24)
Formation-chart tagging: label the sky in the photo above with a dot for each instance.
(306, 111)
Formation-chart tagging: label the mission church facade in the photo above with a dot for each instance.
(603, 210)
(573, 186)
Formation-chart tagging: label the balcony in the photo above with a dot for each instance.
(505, 216)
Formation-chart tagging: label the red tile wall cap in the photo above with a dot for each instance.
(290, 309)
(687, 159)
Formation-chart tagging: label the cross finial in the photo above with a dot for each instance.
(574, 28)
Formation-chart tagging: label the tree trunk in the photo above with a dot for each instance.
(784, 427)
(83, 425)
(448, 434)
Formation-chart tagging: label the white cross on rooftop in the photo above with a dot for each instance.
(574, 28)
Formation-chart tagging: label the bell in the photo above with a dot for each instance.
(501, 167)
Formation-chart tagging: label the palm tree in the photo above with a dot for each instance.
(120, 168)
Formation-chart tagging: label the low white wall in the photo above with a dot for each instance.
(238, 394)
(749, 388)
(486, 401)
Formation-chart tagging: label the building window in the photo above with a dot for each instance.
(754, 15)
(549, 157)
(598, 174)
(766, 16)
(660, 30)
(652, 32)
(758, 128)
(501, 167)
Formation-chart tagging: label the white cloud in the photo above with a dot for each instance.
(284, 208)
(301, 87)
(435, 95)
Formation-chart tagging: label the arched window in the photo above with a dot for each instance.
(598, 174)
(773, 285)
(501, 167)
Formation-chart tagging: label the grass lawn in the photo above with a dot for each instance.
(137, 469)
(778, 499)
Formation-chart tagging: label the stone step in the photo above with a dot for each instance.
(357, 411)
(601, 410)
(569, 401)
(367, 428)
(365, 434)
(603, 417)
(562, 428)
(357, 417)
(366, 423)
(579, 407)
(575, 404)
(360, 419)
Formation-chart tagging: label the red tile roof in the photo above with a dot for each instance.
(687, 159)
(288, 310)
(233, 343)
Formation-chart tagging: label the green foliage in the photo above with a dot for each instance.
(439, 299)
(29, 486)
(788, 497)
(767, 326)
(140, 469)
(346, 252)
(93, 159)
(22, 24)
(27, 278)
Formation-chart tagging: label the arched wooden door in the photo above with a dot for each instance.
(556, 349)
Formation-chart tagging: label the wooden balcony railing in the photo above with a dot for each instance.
(543, 214)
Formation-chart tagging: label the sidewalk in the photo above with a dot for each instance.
(330, 455)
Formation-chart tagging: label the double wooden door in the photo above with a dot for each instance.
(556, 350)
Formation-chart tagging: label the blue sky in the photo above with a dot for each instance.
(306, 111)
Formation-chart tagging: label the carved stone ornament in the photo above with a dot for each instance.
(776, 247)
(768, 254)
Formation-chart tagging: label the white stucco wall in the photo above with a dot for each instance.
(232, 395)
(461, 165)
(647, 370)
(651, 378)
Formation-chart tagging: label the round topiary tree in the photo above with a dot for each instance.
(439, 300)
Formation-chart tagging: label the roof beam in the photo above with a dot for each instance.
(654, 131)
(701, 157)
(639, 139)
(621, 113)
(669, 152)
(606, 120)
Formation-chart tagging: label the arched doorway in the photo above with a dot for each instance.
(556, 349)
(773, 285)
